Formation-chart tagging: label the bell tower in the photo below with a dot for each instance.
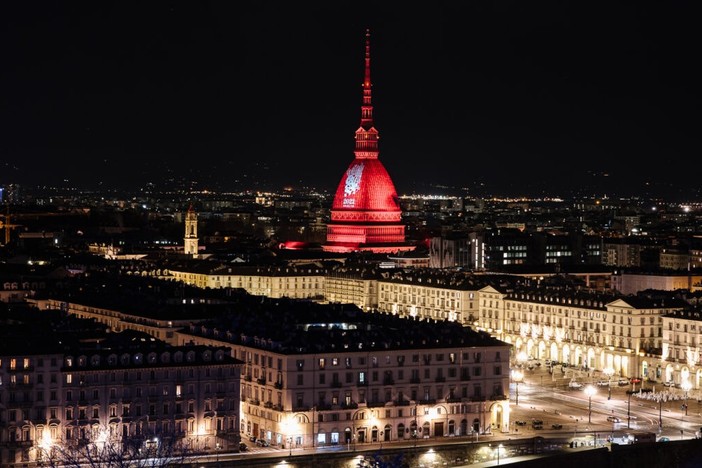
(190, 246)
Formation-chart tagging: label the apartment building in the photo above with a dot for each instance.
(681, 350)
(321, 375)
(353, 284)
(582, 328)
(296, 282)
(71, 384)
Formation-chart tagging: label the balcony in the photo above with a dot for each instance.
(278, 385)
(352, 405)
(336, 384)
(440, 378)
(388, 381)
(362, 384)
(414, 380)
(401, 402)
(268, 404)
(261, 381)
(248, 377)
(375, 404)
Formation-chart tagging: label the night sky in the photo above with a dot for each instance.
(514, 97)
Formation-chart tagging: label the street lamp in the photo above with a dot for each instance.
(517, 376)
(289, 427)
(521, 358)
(609, 372)
(660, 397)
(589, 391)
(686, 386)
(498, 453)
(628, 409)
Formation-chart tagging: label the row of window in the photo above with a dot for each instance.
(176, 390)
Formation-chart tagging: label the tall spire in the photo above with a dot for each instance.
(367, 135)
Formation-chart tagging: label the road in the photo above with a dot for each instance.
(547, 397)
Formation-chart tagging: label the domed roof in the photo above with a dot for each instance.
(366, 186)
(366, 214)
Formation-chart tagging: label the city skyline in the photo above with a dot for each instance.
(511, 98)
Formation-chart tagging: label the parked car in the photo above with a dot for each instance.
(520, 423)
(603, 383)
(623, 382)
(537, 424)
(262, 443)
(669, 383)
(557, 426)
(613, 419)
(243, 447)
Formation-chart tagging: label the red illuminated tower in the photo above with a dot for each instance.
(366, 213)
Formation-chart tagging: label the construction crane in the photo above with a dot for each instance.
(7, 225)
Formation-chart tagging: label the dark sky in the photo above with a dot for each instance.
(519, 96)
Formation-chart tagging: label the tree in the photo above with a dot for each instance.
(114, 452)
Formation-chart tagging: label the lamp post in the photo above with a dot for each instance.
(517, 376)
(609, 372)
(661, 397)
(589, 391)
(498, 453)
(628, 409)
(686, 386)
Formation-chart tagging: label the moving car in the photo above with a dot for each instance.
(520, 423)
(613, 419)
(557, 426)
(262, 443)
(574, 385)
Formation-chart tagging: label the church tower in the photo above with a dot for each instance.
(190, 246)
(366, 214)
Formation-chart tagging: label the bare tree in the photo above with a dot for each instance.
(121, 452)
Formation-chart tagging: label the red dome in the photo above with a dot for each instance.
(366, 213)
(366, 186)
